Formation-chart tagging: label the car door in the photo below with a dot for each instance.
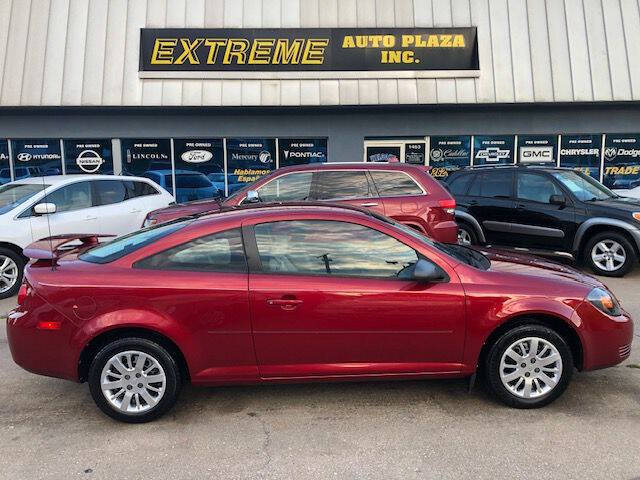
(143, 198)
(537, 222)
(74, 212)
(490, 201)
(117, 217)
(330, 298)
(352, 187)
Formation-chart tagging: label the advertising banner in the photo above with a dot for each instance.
(448, 154)
(294, 52)
(415, 153)
(537, 149)
(248, 159)
(199, 165)
(493, 149)
(581, 152)
(88, 156)
(622, 161)
(149, 158)
(386, 153)
(36, 157)
(299, 151)
(5, 170)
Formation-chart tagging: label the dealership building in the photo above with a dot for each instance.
(205, 96)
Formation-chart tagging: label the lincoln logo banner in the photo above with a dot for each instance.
(308, 53)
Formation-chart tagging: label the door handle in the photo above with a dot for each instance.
(285, 303)
(89, 217)
(372, 204)
(521, 206)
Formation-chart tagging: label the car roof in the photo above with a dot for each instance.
(479, 168)
(354, 166)
(63, 179)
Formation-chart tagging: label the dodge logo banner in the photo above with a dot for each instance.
(493, 149)
(581, 152)
(622, 161)
(537, 149)
(297, 151)
(88, 156)
(449, 153)
(308, 52)
(41, 156)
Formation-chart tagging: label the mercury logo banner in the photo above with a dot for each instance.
(196, 52)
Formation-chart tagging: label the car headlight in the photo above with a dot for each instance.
(636, 215)
(604, 301)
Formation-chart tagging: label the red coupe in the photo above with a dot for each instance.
(300, 293)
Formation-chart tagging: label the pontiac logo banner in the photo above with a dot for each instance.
(308, 53)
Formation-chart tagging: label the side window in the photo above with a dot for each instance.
(108, 192)
(220, 252)
(536, 188)
(494, 184)
(460, 184)
(71, 197)
(320, 247)
(139, 189)
(291, 187)
(343, 184)
(395, 183)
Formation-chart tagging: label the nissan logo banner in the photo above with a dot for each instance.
(308, 52)
(41, 156)
(537, 149)
(302, 151)
(88, 156)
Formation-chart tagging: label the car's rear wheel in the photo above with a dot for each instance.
(466, 235)
(11, 271)
(134, 380)
(609, 254)
(529, 366)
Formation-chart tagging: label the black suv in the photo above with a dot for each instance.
(548, 210)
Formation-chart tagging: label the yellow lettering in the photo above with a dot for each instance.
(408, 40)
(213, 44)
(189, 51)
(432, 41)
(347, 42)
(375, 40)
(163, 51)
(420, 41)
(458, 41)
(236, 48)
(389, 41)
(260, 51)
(314, 51)
(362, 41)
(407, 56)
(445, 40)
(285, 54)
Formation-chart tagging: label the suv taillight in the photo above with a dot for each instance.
(449, 205)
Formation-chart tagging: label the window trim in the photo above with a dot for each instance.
(424, 192)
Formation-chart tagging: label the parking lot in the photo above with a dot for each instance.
(420, 429)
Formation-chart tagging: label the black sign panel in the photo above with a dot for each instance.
(5, 170)
(622, 161)
(493, 149)
(299, 151)
(36, 157)
(308, 49)
(537, 149)
(414, 153)
(448, 154)
(581, 152)
(88, 156)
(149, 158)
(248, 159)
(199, 167)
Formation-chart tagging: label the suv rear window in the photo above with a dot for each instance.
(343, 184)
(395, 183)
(493, 184)
(460, 184)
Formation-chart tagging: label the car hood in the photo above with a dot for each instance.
(530, 265)
(622, 203)
(184, 209)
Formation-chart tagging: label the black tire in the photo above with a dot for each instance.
(20, 263)
(466, 229)
(621, 240)
(492, 366)
(149, 347)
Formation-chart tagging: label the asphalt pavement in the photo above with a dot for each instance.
(434, 429)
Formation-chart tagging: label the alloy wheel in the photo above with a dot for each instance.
(608, 255)
(531, 367)
(133, 381)
(464, 237)
(8, 273)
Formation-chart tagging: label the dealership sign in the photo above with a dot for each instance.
(414, 153)
(88, 156)
(449, 153)
(308, 52)
(203, 155)
(493, 149)
(4, 154)
(537, 149)
(581, 152)
(140, 156)
(297, 151)
(41, 153)
(250, 158)
(622, 161)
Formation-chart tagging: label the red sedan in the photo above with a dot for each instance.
(302, 293)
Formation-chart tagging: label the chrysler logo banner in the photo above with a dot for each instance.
(581, 152)
(308, 52)
(493, 149)
(449, 153)
(88, 156)
(43, 153)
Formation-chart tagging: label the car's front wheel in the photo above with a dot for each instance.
(529, 366)
(610, 254)
(11, 271)
(466, 235)
(134, 380)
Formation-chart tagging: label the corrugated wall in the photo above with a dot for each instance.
(85, 52)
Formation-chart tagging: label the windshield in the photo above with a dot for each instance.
(13, 194)
(583, 186)
(188, 180)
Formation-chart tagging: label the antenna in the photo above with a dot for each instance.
(44, 188)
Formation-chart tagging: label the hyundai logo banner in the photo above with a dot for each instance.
(537, 149)
(493, 149)
(297, 151)
(248, 159)
(581, 152)
(5, 170)
(449, 153)
(199, 164)
(42, 156)
(622, 161)
(88, 156)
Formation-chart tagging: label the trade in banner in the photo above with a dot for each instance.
(581, 152)
(493, 149)
(622, 161)
(248, 159)
(88, 156)
(299, 151)
(537, 149)
(36, 157)
(448, 154)
(199, 168)
(5, 170)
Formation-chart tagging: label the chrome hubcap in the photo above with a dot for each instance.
(464, 238)
(133, 381)
(8, 273)
(608, 255)
(530, 367)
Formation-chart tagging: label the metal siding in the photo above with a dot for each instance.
(465, 87)
(36, 46)
(423, 17)
(112, 86)
(598, 59)
(16, 50)
(501, 47)
(194, 17)
(176, 17)
(561, 75)
(94, 53)
(616, 50)
(485, 84)
(631, 21)
(366, 13)
(309, 13)
(290, 13)
(156, 17)
(290, 92)
(578, 51)
(271, 14)
(520, 52)
(443, 17)
(540, 52)
(385, 13)
(131, 85)
(5, 17)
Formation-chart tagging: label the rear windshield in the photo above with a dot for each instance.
(121, 246)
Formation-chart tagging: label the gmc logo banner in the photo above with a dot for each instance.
(308, 53)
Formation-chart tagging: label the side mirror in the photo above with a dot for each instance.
(44, 208)
(426, 271)
(558, 200)
(252, 197)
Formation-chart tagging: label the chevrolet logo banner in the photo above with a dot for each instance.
(308, 53)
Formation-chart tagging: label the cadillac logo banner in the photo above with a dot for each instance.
(448, 154)
(308, 52)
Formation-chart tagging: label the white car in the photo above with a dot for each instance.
(38, 207)
(632, 192)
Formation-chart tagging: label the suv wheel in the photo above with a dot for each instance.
(610, 254)
(529, 366)
(11, 271)
(466, 235)
(134, 380)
